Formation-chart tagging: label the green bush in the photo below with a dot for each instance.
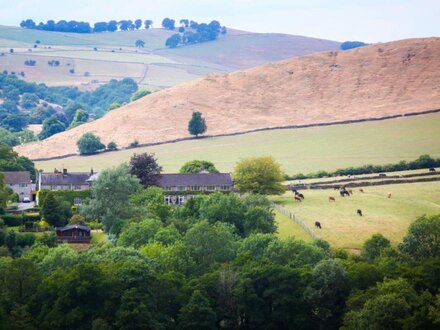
(67, 195)
(12, 220)
(94, 225)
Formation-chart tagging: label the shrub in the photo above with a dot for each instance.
(12, 220)
(112, 146)
(134, 144)
(89, 144)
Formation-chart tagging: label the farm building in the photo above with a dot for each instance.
(20, 182)
(73, 234)
(179, 187)
(63, 180)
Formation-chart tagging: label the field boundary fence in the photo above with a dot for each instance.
(294, 218)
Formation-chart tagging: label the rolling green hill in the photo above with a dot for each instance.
(99, 57)
(298, 150)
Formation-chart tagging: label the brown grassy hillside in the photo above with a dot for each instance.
(373, 81)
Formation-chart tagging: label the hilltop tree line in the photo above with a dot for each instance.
(85, 27)
(191, 32)
(214, 263)
(57, 108)
(346, 45)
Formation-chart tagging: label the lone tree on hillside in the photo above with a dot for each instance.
(89, 144)
(139, 43)
(145, 167)
(259, 175)
(197, 124)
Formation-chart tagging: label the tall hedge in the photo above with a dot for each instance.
(68, 195)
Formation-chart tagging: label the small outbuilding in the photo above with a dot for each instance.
(73, 234)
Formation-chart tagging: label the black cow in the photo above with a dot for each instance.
(299, 195)
(359, 212)
(318, 224)
(344, 193)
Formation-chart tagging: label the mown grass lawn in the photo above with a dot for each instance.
(343, 228)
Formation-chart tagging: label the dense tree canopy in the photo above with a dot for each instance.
(145, 167)
(111, 198)
(260, 175)
(197, 166)
(11, 161)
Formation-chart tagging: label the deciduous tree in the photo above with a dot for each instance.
(89, 144)
(145, 167)
(197, 124)
(259, 175)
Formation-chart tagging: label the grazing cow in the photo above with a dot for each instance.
(361, 190)
(382, 175)
(359, 212)
(299, 195)
(331, 199)
(432, 169)
(389, 195)
(350, 191)
(298, 199)
(344, 193)
(318, 224)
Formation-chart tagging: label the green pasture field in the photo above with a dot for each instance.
(297, 150)
(343, 228)
(289, 228)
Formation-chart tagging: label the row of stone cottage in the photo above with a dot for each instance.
(178, 188)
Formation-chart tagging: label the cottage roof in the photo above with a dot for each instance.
(199, 179)
(70, 227)
(59, 179)
(17, 177)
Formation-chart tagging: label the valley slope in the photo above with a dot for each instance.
(369, 82)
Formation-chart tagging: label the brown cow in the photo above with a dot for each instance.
(350, 191)
(389, 195)
(361, 190)
(298, 199)
(331, 199)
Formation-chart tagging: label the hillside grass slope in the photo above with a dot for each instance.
(370, 82)
(302, 150)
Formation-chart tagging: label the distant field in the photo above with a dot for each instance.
(119, 56)
(343, 228)
(235, 50)
(298, 150)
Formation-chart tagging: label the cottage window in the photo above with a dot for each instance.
(196, 188)
(53, 187)
(210, 188)
(77, 187)
(181, 200)
(181, 188)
